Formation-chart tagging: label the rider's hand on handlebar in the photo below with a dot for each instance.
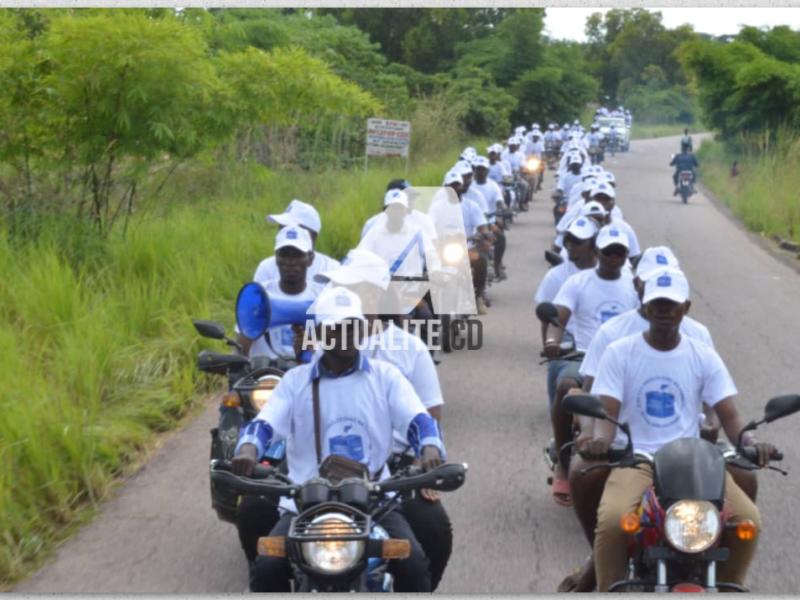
(430, 495)
(764, 451)
(244, 462)
(596, 448)
(431, 458)
(552, 349)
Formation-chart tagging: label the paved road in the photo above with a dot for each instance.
(159, 534)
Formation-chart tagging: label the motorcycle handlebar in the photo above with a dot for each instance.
(751, 454)
(445, 478)
(222, 472)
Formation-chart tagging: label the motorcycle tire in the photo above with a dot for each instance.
(685, 196)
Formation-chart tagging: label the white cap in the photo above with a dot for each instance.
(395, 197)
(520, 129)
(589, 183)
(298, 213)
(452, 176)
(582, 228)
(610, 235)
(294, 236)
(575, 159)
(609, 177)
(336, 304)
(497, 148)
(514, 141)
(655, 259)
(480, 161)
(603, 188)
(670, 284)
(595, 169)
(360, 266)
(462, 167)
(593, 209)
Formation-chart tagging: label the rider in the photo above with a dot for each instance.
(686, 140)
(494, 200)
(585, 301)
(367, 399)
(515, 158)
(367, 275)
(579, 241)
(663, 360)
(293, 258)
(415, 216)
(305, 215)
(685, 161)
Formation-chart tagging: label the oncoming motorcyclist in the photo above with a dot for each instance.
(685, 161)
(362, 402)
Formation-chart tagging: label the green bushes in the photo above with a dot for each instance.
(764, 194)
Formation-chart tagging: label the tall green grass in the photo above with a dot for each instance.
(96, 343)
(643, 131)
(764, 194)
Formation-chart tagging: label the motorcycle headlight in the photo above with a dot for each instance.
(533, 164)
(692, 525)
(334, 556)
(262, 394)
(453, 253)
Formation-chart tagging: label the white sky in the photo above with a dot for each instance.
(568, 23)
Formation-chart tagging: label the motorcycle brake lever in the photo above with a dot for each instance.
(779, 470)
(595, 467)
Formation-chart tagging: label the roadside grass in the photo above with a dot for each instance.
(764, 194)
(96, 343)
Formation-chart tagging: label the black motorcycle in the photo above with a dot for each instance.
(249, 390)
(676, 531)
(336, 542)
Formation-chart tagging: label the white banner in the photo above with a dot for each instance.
(388, 138)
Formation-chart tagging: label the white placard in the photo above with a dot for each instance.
(388, 138)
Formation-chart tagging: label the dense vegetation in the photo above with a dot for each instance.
(141, 149)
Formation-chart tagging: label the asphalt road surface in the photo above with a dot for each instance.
(159, 534)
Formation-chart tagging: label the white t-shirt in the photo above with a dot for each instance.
(411, 357)
(629, 323)
(390, 245)
(661, 393)
(499, 170)
(569, 180)
(492, 193)
(463, 216)
(553, 280)
(415, 216)
(268, 271)
(633, 242)
(477, 196)
(358, 414)
(593, 301)
(514, 159)
(281, 338)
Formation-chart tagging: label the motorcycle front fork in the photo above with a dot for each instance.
(661, 586)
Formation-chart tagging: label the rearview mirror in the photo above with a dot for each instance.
(210, 329)
(585, 405)
(781, 406)
(547, 312)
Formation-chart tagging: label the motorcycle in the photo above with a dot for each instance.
(675, 533)
(249, 390)
(455, 290)
(336, 542)
(685, 185)
(511, 197)
(560, 202)
(533, 171)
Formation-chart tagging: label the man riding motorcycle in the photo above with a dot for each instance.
(685, 161)
(360, 403)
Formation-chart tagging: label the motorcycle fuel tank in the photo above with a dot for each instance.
(689, 469)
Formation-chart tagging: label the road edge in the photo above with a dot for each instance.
(766, 243)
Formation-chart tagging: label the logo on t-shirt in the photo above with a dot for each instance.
(661, 259)
(660, 402)
(608, 310)
(347, 437)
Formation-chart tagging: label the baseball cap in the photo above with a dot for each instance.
(395, 197)
(574, 158)
(655, 259)
(603, 187)
(514, 141)
(589, 183)
(670, 284)
(462, 167)
(593, 209)
(582, 228)
(294, 236)
(360, 266)
(609, 177)
(452, 176)
(298, 213)
(336, 304)
(497, 148)
(481, 161)
(610, 235)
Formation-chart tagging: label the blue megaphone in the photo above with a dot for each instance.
(256, 311)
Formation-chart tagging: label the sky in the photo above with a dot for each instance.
(568, 23)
